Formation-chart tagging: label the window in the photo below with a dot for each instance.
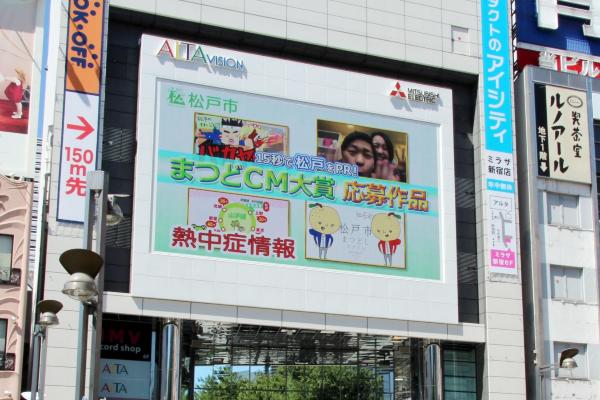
(563, 210)
(460, 374)
(580, 372)
(566, 283)
(3, 325)
(6, 249)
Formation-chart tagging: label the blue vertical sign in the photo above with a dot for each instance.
(497, 78)
(500, 208)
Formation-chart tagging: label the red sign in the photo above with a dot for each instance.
(558, 62)
(85, 128)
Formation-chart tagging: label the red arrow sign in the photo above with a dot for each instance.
(86, 128)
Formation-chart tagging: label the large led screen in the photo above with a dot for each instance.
(262, 182)
(250, 177)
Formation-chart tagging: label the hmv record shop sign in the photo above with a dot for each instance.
(126, 360)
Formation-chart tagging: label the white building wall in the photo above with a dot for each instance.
(567, 321)
(500, 301)
(61, 358)
(418, 31)
(551, 245)
(438, 33)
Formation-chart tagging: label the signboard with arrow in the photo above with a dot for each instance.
(81, 108)
(85, 127)
(78, 156)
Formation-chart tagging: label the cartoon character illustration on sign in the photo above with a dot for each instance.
(237, 217)
(255, 140)
(386, 228)
(236, 139)
(231, 131)
(15, 92)
(324, 222)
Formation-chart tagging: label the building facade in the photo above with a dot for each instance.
(15, 214)
(267, 149)
(560, 238)
(21, 73)
(558, 196)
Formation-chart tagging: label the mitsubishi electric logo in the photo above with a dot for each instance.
(398, 92)
(413, 94)
(193, 52)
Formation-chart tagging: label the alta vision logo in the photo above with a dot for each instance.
(193, 52)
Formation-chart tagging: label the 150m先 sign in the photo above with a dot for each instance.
(81, 106)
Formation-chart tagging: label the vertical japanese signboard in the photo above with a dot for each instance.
(497, 111)
(562, 133)
(81, 105)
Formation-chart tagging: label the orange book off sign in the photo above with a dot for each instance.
(84, 45)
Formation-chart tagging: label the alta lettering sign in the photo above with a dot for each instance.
(195, 53)
(115, 369)
(122, 379)
(113, 387)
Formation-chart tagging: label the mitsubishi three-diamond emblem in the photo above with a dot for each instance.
(398, 92)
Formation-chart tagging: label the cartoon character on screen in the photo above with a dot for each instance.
(213, 137)
(205, 139)
(324, 222)
(255, 141)
(231, 131)
(386, 227)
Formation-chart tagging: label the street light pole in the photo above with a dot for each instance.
(86, 283)
(48, 310)
(102, 208)
(96, 198)
(566, 361)
(81, 351)
(38, 338)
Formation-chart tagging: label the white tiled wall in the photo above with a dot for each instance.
(417, 31)
(571, 322)
(500, 303)
(127, 304)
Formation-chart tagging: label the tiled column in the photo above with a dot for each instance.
(500, 304)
